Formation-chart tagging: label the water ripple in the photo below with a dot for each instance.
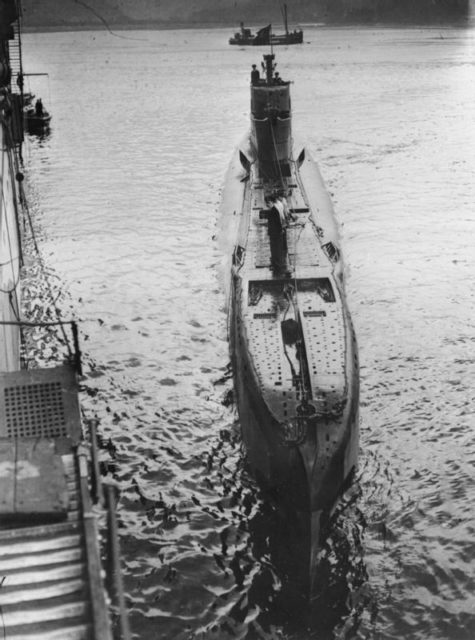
(125, 194)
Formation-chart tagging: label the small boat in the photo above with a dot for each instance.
(289, 37)
(246, 37)
(292, 343)
(37, 119)
(265, 36)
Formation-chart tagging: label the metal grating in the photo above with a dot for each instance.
(35, 410)
(41, 403)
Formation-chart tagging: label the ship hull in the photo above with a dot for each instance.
(10, 258)
(295, 37)
(35, 124)
(303, 477)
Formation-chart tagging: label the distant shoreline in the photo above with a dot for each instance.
(129, 26)
(180, 26)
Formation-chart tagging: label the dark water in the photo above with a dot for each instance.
(125, 195)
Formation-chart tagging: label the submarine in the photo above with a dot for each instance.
(292, 344)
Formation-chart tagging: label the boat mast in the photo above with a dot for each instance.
(285, 20)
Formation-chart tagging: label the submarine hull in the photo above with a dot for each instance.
(306, 472)
(292, 344)
(305, 476)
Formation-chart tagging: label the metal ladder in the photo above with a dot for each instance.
(15, 57)
(44, 593)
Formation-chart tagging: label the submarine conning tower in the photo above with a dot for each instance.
(271, 122)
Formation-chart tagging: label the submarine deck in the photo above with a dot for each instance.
(309, 296)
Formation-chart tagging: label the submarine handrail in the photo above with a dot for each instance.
(246, 217)
(312, 219)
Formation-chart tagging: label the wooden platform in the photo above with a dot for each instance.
(49, 558)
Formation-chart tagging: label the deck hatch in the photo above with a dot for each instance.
(322, 286)
(35, 410)
(265, 316)
(314, 314)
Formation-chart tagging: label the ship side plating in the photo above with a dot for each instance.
(10, 252)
